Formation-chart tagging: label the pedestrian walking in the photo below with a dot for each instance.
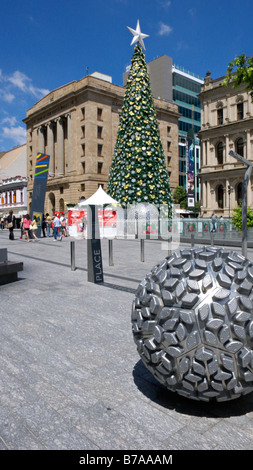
(57, 224)
(26, 227)
(21, 227)
(2, 223)
(213, 220)
(63, 224)
(11, 224)
(49, 223)
(34, 227)
(44, 226)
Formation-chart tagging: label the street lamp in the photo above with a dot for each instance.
(247, 174)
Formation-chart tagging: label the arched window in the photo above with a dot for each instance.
(239, 147)
(219, 153)
(61, 205)
(51, 198)
(220, 196)
(239, 194)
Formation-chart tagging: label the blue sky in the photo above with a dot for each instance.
(46, 44)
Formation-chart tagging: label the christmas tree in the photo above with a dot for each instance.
(138, 171)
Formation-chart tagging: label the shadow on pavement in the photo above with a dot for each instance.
(157, 393)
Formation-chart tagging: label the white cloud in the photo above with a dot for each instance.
(166, 3)
(24, 83)
(17, 134)
(19, 80)
(165, 29)
(9, 120)
(6, 96)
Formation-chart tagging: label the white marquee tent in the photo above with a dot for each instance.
(99, 198)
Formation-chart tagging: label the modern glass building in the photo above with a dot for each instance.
(185, 88)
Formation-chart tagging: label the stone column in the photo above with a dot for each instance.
(60, 162)
(203, 153)
(203, 194)
(208, 194)
(41, 140)
(208, 162)
(248, 152)
(228, 108)
(50, 146)
(226, 148)
(70, 144)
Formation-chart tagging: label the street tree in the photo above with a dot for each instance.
(240, 71)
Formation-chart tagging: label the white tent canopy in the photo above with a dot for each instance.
(99, 198)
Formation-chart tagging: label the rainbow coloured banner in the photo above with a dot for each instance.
(39, 189)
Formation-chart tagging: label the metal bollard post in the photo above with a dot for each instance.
(192, 239)
(142, 249)
(110, 253)
(72, 255)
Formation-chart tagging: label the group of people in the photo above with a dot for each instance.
(58, 225)
(29, 228)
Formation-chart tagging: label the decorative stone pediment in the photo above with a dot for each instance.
(219, 105)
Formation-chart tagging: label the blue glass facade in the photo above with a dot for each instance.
(186, 87)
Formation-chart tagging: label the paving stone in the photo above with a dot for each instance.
(70, 377)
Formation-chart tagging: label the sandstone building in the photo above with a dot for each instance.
(77, 125)
(227, 124)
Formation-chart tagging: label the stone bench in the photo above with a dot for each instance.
(8, 269)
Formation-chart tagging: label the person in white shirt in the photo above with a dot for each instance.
(57, 225)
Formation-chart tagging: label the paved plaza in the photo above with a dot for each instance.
(70, 375)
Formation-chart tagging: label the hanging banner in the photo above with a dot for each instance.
(39, 189)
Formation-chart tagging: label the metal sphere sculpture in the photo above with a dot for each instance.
(192, 322)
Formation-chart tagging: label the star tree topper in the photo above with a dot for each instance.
(138, 35)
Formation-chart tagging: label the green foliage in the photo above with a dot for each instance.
(240, 71)
(237, 218)
(180, 196)
(138, 171)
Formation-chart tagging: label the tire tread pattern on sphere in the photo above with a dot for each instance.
(192, 322)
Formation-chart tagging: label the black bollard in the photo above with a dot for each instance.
(94, 253)
(72, 256)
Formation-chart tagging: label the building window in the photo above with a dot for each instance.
(168, 146)
(239, 111)
(100, 166)
(82, 187)
(61, 190)
(219, 116)
(219, 153)
(99, 132)
(100, 149)
(220, 196)
(168, 130)
(99, 114)
(83, 167)
(239, 147)
(83, 150)
(82, 113)
(83, 131)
